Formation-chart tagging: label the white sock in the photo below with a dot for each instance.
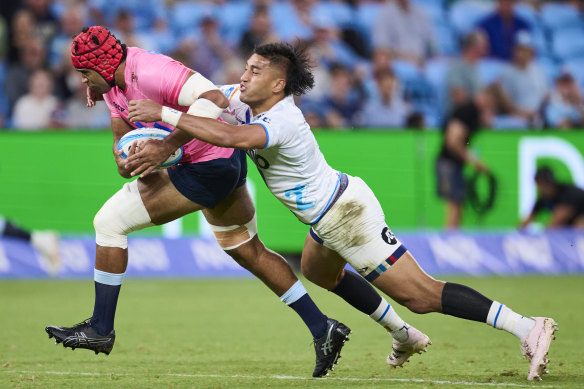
(388, 318)
(504, 318)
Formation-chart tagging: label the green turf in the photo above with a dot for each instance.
(236, 334)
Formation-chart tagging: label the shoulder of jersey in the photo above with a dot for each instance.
(230, 91)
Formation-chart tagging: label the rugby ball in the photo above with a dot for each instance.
(144, 134)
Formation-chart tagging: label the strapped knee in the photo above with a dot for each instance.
(123, 213)
(231, 237)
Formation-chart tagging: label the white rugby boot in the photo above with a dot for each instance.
(402, 351)
(536, 344)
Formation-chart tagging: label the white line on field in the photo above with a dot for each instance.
(283, 377)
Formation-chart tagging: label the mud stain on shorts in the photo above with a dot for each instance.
(345, 219)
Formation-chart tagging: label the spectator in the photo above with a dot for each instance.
(35, 110)
(260, 32)
(343, 100)
(71, 22)
(387, 108)
(566, 202)
(565, 108)
(522, 87)
(208, 52)
(328, 48)
(46, 24)
(501, 28)
(21, 30)
(463, 82)
(125, 30)
(405, 29)
(75, 113)
(464, 121)
(32, 57)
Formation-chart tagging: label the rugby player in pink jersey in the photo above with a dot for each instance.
(208, 178)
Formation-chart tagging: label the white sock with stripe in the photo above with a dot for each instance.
(388, 318)
(503, 318)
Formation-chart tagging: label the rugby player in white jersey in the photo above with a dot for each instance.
(347, 222)
(208, 178)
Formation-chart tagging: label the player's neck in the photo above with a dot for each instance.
(266, 105)
(120, 76)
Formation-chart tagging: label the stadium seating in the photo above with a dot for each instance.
(490, 69)
(557, 16)
(568, 43)
(464, 15)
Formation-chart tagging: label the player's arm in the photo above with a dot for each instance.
(561, 215)
(455, 141)
(203, 99)
(208, 130)
(120, 128)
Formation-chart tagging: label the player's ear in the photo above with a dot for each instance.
(279, 85)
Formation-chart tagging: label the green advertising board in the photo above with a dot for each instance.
(59, 180)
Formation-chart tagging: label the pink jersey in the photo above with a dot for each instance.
(150, 75)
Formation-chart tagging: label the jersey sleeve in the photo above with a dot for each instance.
(235, 111)
(108, 98)
(277, 132)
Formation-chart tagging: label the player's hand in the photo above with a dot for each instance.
(121, 162)
(93, 97)
(144, 111)
(147, 157)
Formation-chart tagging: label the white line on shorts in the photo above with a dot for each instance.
(283, 377)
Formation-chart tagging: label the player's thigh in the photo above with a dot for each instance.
(321, 265)
(162, 200)
(236, 209)
(407, 283)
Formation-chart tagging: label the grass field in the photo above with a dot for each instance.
(235, 334)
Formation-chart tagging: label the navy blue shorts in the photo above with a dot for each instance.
(210, 182)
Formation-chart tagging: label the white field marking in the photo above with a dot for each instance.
(283, 377)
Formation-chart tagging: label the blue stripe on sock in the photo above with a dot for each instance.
(108, 278)
(497, 316)
(384, 313)
(293, 294)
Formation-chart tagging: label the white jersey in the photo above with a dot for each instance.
(290, 163)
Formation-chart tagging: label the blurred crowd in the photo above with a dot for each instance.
(378, 64)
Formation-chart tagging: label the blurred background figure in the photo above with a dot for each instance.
(522, 86)
(46, 243)
(463, 80)
(37, 109)
(501, 28)
(565, 108)
(387, 107)
(405, 29)
(344, 99)
(564, 201)
(460, 126)
(259, 32)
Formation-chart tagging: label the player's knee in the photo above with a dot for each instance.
(123, 213)
(106, 234)
(230, 238)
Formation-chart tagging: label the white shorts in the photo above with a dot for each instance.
(354, 226)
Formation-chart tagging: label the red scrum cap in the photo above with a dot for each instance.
(98, 49)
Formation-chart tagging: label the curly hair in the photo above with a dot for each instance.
(294, 60)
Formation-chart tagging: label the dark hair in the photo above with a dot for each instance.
(294, 60)
(545, 174)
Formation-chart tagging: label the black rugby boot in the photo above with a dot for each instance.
(328, 348)
(82, 335)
